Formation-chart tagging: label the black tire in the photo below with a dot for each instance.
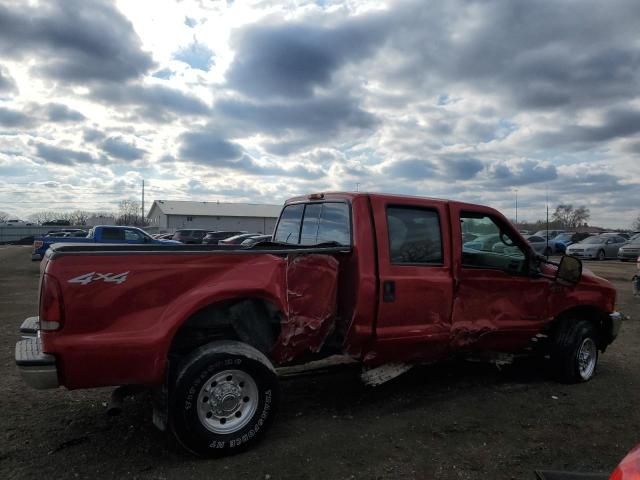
(601, 255)
(548, 251)
(569, 343)
(196, 370)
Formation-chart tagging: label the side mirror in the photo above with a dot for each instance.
(569, 271)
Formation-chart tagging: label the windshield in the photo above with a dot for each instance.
(593, 240)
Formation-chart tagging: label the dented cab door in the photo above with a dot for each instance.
(498, 305)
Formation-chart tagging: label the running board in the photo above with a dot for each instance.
(382, 374)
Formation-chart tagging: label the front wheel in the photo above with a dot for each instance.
(223, 400)
(576, 352)
(548, 252)
(601, 255)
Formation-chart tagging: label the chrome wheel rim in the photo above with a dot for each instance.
(587, 358)
(227, 401)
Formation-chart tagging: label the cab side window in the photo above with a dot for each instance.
(486, 245)
(414, 236)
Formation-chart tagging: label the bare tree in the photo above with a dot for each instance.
(42, 217)
(129, 213)
(570, 217)
(80, 217)
(4, 216)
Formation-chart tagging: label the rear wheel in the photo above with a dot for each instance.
(575, 355)
(222, 401)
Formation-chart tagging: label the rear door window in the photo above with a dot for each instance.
(414, 236)
(314, 223)
(112, 234)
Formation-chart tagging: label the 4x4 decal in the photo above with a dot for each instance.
(96, 277)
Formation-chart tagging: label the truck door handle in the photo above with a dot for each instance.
(389, 291)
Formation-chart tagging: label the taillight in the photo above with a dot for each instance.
(37, 244)
(51, 307)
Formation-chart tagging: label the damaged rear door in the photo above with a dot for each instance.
(415, 280)
(498, 305)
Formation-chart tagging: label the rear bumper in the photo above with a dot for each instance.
(37, 369)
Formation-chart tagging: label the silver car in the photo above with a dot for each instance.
(631, 251)
(538, 243)
(599, 248)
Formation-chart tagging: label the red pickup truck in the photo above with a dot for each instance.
(383, 279)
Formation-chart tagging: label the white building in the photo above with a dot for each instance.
(171, 215)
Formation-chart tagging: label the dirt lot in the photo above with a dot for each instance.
(453, 421)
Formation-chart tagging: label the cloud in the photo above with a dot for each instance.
(522, 172)
(92, 135)
(208, 148)
(411, 169)
(196, 55)
(318, 116)
(154, 102)
(74, 40)
(14, 119)
(292, 59)
(63, 156)
(119, 148)
(462, 169)
(58, 112)
(7, 83)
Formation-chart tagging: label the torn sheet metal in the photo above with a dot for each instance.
(312, 285)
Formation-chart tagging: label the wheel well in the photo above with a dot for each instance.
(253, 321)
(597, 316)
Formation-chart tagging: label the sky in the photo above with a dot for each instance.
(258, 101)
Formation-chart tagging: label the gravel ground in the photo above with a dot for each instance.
(455, 420)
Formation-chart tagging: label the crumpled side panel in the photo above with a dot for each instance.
(312, 286)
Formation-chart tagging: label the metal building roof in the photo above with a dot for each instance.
(217, 209)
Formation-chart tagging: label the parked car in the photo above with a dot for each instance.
(599, 247)
(99, 234)
(539, 245)
(254, 240)
(548, 233)
(212, 238)
(15, 223)
(189, 235)
(382, 279)
(237, 239)
(56, 223)
(630, 251)
(483, 242)
(560, 242)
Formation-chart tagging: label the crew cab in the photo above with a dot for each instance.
(99, 234)
(384, 280)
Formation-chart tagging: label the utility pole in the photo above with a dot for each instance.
(143, 222)
(516, 207)
(547, 235)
